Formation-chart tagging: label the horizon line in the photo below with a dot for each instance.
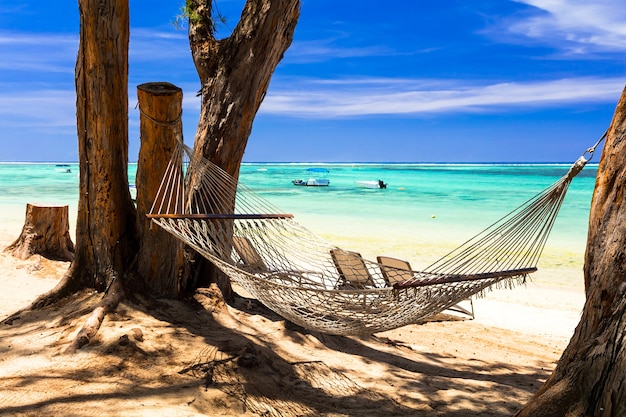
(344, 162)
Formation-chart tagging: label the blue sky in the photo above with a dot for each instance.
(364, 81)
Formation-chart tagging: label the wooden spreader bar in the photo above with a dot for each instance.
(231, 216)
(446, 279)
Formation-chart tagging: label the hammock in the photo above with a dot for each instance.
(320, 287)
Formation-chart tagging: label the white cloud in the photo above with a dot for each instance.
(56, 53)
(43, 108)
(578, 26)
(326, 49)
(153, 45)
(312, 98)
(349, 98)
(46, 53)
(54, 108)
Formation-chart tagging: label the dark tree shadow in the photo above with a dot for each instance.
(247, 366)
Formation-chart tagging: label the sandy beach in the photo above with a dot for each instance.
(187, 361)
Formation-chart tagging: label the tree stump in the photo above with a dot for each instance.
(160, 257)
(46, 232)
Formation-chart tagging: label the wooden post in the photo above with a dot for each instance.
(46, 232)
(161, 256)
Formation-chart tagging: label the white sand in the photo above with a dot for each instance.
(488, 366)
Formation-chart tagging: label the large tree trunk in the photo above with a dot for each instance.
(112, 243)
(105, 233)
(235, 74)
(160, 259)
(105, 227)
(589, 379)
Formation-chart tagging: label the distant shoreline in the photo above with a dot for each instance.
(343, 163)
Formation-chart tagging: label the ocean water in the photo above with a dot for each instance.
(426, 209)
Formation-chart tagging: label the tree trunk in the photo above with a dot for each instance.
(589, 378)
(105, 234)
(235, 74)
(46, 232)
(105, 225)
(112, 243)
(105, 228)
(160, 259)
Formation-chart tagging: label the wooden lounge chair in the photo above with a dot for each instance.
(394, 270)
(253, 263)
(352, 269)
(248, 254)
(397, 270)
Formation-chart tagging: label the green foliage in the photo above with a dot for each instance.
(189, 14)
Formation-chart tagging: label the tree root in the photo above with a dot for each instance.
(109, 303)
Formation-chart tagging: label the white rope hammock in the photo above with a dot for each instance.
(321, 287)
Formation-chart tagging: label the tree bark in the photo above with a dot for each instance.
(46, 232)
(235, 74)
(160, 256)
(105, 233)
(105, 227)
(106, 240)
(589, 378)
(114, 248)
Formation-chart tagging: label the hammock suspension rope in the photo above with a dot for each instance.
(324, 288)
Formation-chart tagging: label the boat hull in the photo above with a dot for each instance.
(312, 182)
(371, 184)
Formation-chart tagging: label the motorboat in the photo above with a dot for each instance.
(317, 178)
(63, 168)
(372, 184)
(313, 182)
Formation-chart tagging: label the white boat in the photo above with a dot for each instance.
(371, 184)
(63, 168)
(319, 180)
(313, 182)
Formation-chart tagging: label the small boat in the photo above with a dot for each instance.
(371, 184)
(317, 178)
(313, 182)
(63, 168)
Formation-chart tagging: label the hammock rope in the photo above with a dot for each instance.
(317, 285)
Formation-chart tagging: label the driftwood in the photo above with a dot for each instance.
(46, 232)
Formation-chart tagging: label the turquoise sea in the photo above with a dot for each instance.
(425, 210)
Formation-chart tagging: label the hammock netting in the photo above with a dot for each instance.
(318, 286)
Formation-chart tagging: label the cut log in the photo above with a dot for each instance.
(160, 257)
(46, 232)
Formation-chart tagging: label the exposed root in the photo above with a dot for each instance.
(109, 303)
(211, 299)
